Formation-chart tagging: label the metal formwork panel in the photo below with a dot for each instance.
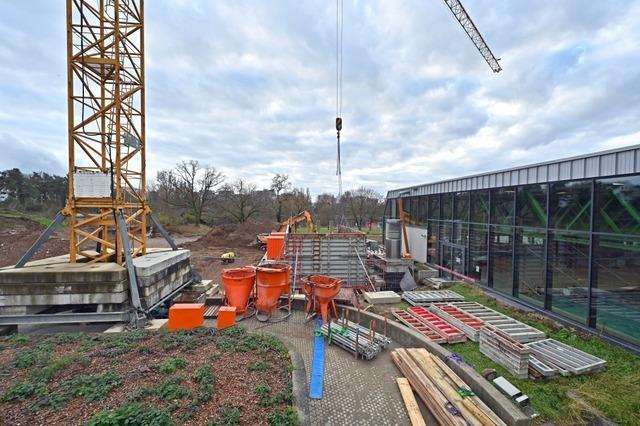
(335, 255)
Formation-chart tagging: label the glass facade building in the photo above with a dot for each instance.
(565, 243)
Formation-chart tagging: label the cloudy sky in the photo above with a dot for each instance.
(249, 87)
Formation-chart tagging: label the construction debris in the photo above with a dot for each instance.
(447, 396)
(517, 330)
(437, 324)
(567, 359)
(511, 391)
(426, 297)
(467, 323)
(501, 348)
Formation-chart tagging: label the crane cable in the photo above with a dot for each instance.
(339, 32)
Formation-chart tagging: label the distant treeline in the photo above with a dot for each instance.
(38, 191)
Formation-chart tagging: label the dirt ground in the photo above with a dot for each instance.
(207, 249)
(18, 233)
(196, 378)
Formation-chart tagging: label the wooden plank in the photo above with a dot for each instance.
(410, 402)
(430, 395)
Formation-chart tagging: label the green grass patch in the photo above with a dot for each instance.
(258, 366)
(286, 417)
(93, 386)
(227, 416)
(170, 389)
(28, 357)
(132, 414)
(170, 365)
(613, 392)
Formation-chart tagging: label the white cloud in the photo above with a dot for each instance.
(249, 87)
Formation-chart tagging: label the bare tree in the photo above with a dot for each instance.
(189, 185)
(240, 201)
(280, 184)
(362, 204)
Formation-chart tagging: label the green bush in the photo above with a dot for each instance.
(19, 392)
(28, 357)
(93, 387)
(288, 417)
(258, 366)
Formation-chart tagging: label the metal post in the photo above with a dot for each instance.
(133, 282)
(489, 221)
(163, 231)
(514, 272)
(592, 281)
(41, 240)
(547, 269)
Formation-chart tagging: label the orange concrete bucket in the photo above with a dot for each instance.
(271, 281)
(325, 289)
(238, 284)
(275, 247)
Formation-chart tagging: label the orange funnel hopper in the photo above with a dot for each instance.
(324, 289)
(238, 284)
(271, 281)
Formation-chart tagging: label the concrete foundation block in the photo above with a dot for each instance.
(63, 299)
(158, 276)
(64, 288)
(155, 262)
(380, 297)
(116, 328)
(204, 286)
(64, 273)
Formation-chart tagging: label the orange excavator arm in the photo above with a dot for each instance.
(293, 220)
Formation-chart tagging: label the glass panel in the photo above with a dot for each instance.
(388, 211)
(616, 263)
(532, 206)
(461, 206)
(570, 205)
(406, 206)
(460, 233)
(478, 253)
(502, 206)
(447, 206)
(569, 265)
(413, 213)
(480, 206)
(458, 260)
(618, 205)
(446, 231)
(501, 258)
(446, 258)
(422, 210)
(434, 206)
(530, 265)
(432, 242)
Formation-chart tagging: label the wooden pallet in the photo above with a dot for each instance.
(437, 324)
(567, 359)
(501, 348)
(517, 330)
(442, 390)
(417, 325)
(426, 297)
(467, 323)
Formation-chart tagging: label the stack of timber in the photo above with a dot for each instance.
(467, 323)
(447, 397)
(160, 273)
(437, 324)
(517, 330)
(417, 325)
(568, 360)
(427, 297)
(501, 348)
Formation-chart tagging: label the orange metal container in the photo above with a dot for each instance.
(271, 282)
(275, 247)
(186, 316)
(324, 289)
(226, 317)
(238, 283)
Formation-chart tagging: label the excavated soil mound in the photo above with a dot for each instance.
(232, 235)
(18, 233)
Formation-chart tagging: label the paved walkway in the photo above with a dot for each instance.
(356, 392)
